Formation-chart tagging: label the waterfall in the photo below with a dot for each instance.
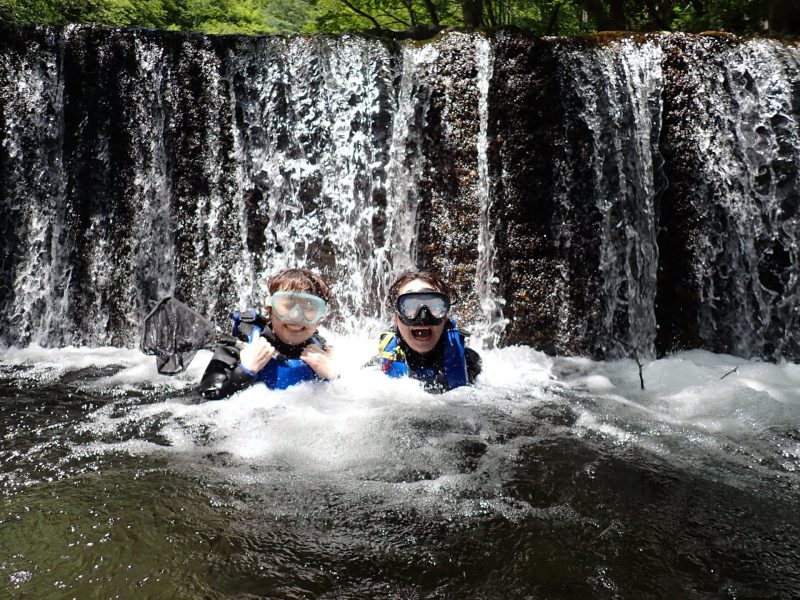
(398, 253)
(584, 196)
(313, 125)
(730, 214)
(731, 266)
(579, 170)
(620, 102)
(490, 328)
(224, 162)
(33, 269)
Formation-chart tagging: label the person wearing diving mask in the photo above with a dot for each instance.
(426, 344)
(282, 348)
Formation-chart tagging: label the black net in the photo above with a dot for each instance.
(174, 333)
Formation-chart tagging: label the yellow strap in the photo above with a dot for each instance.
(396, 354)
(386, 337)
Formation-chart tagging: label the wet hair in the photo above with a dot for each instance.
(432, 279)
(300, 280)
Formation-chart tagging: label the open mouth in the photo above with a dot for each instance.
(422, 334)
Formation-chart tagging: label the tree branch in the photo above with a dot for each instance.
(551, 25)
(473, 13)
(411, 14)
(361, 13)
(491, 17)
(635, 357)
(733, 370)
(395, 18)
(432, 12)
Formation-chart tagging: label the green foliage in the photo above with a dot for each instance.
(332, 16)
(543, 17)
(148, 13)
(210, 16)
(548, 17)
(215, 16)
(393, 15)
(288, 16)
(743, 16)
(735, 16)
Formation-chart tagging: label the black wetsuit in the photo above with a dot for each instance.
(223, 376)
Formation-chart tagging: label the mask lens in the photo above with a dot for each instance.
(409, 308)
(298, 307)
(282, 305)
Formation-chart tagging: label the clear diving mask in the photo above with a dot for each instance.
(422, 308)
(297, 307)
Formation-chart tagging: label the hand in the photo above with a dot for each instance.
(321, 361)
(256, 354)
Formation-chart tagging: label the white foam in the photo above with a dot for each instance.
(377, 431)
(702, 389)
(135, 368)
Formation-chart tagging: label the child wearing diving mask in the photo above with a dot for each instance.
(426, 343)
(282, 348)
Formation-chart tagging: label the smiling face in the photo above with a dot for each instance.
(294, 315)
(290, 333)
(420, 338)
(297, 301)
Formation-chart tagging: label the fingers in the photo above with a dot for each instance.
(311, 349)
(257, 353)
(320, 361)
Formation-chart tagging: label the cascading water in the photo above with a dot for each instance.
(244, 158)
(490, 328)
(619, 101)
(405, 164)
(625, 161)
(34, 266)
(153, 227)
(564, 186)
(315, 171)
(731, 209)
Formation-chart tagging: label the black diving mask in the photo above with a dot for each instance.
(422, 308)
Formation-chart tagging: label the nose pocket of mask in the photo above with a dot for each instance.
(295, 315)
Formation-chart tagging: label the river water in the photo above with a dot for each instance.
(551, 478)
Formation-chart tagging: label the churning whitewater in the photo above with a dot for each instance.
(115, 476)
(695, 407)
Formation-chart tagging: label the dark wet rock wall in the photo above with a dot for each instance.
(541, 154)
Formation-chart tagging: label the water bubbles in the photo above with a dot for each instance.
(19, 578)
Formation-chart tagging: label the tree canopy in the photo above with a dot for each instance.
(545, 17)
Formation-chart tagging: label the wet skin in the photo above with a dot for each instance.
(291, 333)
(420, 338)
